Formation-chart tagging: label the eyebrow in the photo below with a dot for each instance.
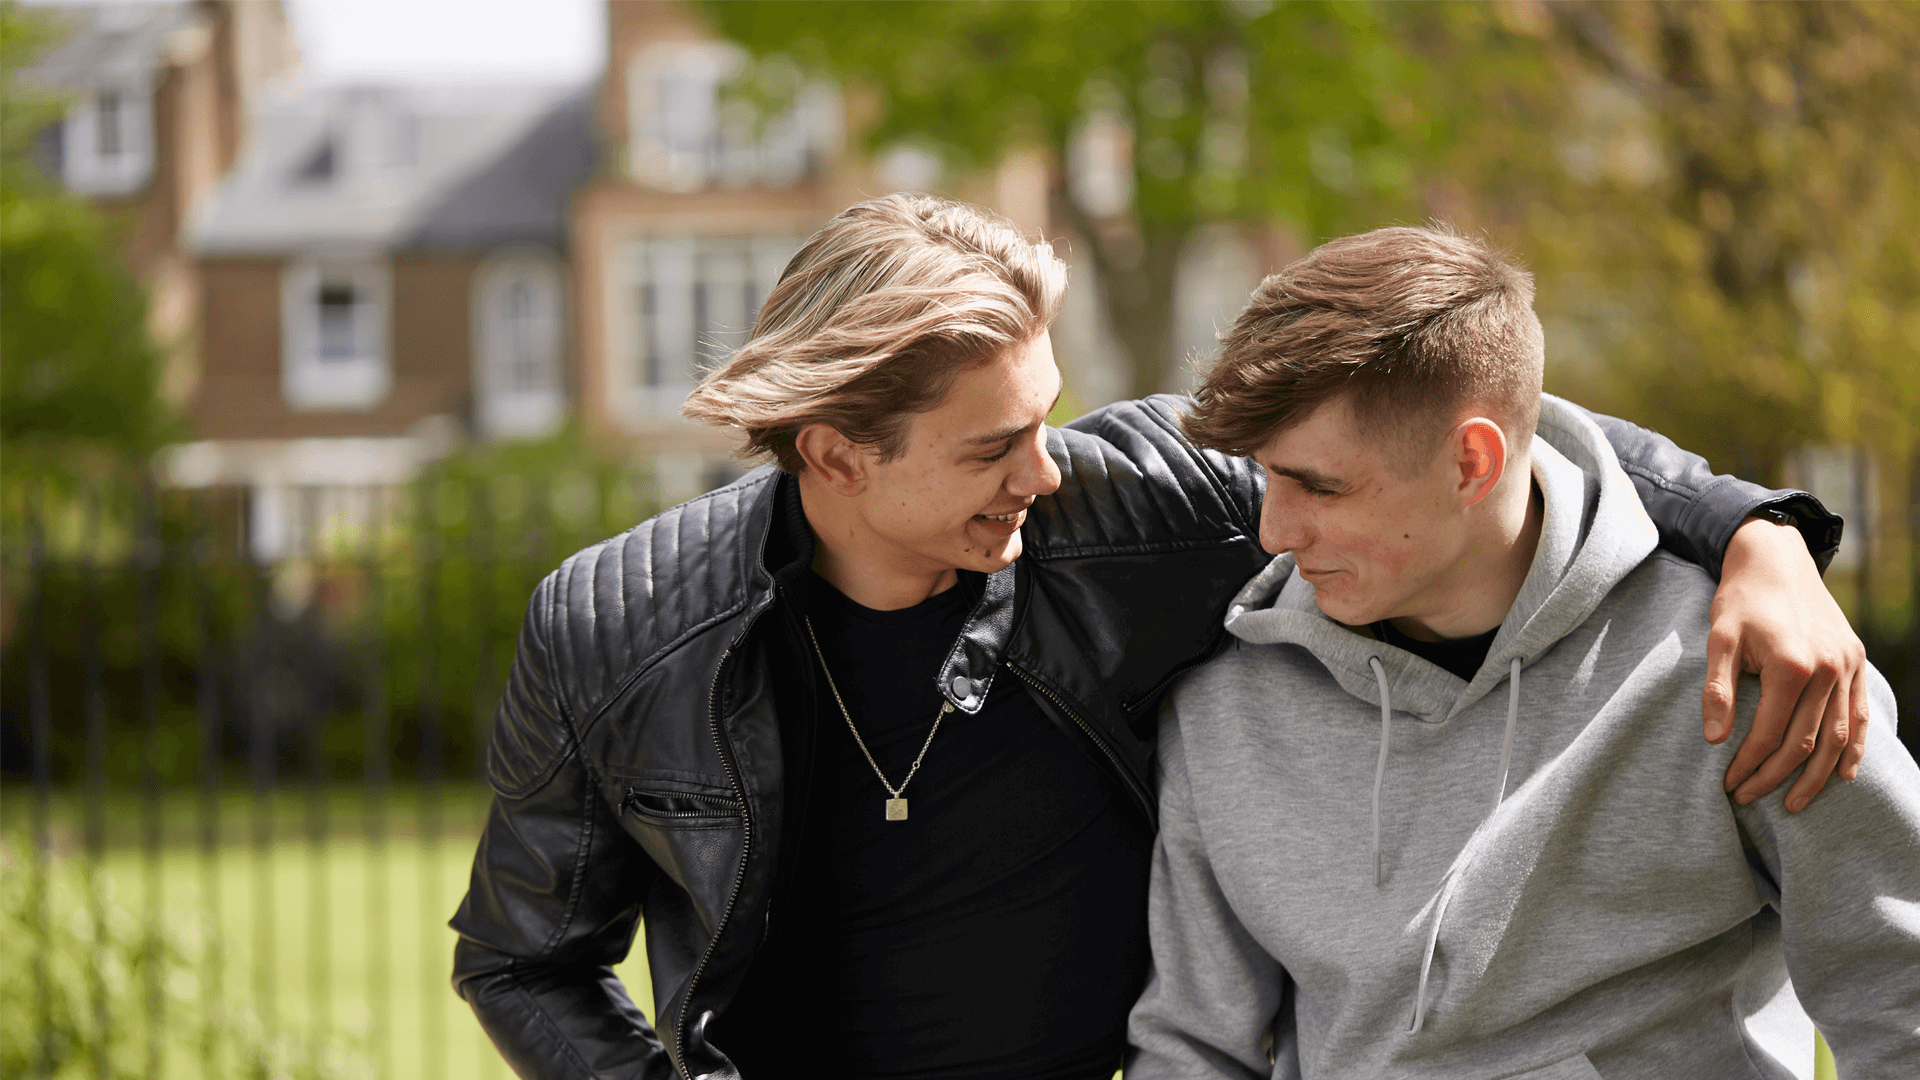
(1308, 477)
(1007, 433)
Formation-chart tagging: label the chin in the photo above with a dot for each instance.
(995, 556)
(1344, 612)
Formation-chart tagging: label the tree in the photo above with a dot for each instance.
(79, 375)
(1719, 202)
(1171, 115)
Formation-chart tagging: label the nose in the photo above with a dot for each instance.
(1036, 473)
(1282, 526)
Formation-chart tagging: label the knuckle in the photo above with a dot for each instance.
(1718, 694)
(1801, 746)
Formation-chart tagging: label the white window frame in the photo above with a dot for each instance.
(503, 410)
(83, 167)
(362, 378)
(706, 291)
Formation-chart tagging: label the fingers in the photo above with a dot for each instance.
(1835, 721)
(1716, 701)
(1781, 683)
(1856, 750)
(1801, 740)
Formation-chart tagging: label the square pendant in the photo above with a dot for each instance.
(896, 809)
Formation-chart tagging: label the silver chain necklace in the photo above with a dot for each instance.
(897, 805)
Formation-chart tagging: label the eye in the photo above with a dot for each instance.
(1004, 451)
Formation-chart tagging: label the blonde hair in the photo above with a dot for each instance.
(872, 320)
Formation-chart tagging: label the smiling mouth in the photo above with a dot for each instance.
(1005, 519)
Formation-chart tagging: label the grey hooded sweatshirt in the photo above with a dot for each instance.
(1370, 868)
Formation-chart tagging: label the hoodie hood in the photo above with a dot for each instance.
(1593, 532)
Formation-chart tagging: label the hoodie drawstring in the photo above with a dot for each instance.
(1499, 794)
(1506, 745)
(1380, 769)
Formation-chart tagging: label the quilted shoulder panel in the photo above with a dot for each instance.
(1131, 482)
(614, 609)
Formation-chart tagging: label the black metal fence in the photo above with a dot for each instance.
(242, 744)
(243, 765)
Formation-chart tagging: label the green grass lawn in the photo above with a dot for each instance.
(345, 939)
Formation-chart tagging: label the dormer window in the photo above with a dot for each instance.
(319, 166)
(107, 148)
(333, 334)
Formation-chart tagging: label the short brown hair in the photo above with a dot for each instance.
(872, 320)
(1407, 325)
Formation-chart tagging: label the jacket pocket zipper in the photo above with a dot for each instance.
(722, 806)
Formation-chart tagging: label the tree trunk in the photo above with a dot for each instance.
(1138, 266)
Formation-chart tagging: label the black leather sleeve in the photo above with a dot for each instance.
(1698, 511)
(538, 933)
(1695, 510)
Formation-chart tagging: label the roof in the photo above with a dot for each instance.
(110, 43)
(399, 167)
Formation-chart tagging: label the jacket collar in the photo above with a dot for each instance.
(782, 547)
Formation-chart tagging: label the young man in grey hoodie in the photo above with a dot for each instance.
(1438, 810)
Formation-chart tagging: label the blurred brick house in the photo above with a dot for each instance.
(163, 97)
(384, 273)
(379, 272)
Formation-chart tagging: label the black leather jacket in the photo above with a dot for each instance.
(636, 757)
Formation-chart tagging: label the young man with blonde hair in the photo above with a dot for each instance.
(1434, 811)
(865, 737)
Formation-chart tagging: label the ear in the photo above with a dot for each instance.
(1480, 452)
(836, 460)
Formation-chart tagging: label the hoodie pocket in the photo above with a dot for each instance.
(1576, 1067)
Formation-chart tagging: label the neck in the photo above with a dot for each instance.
(864, 567)
(1496, 555)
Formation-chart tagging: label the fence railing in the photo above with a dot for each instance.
(242, 742)
(242, 793)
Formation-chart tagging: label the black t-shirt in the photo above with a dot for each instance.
(1462, 656)
(998, 932)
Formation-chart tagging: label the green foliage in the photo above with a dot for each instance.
(1718, 200)
(81, 976)
(1250, 112)
(416, 617)
(78, 373)
(1234, 96)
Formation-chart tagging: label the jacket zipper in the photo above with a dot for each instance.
(739, 875)
(1120, 770)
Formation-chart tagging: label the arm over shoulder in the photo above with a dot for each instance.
(1696, 510)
